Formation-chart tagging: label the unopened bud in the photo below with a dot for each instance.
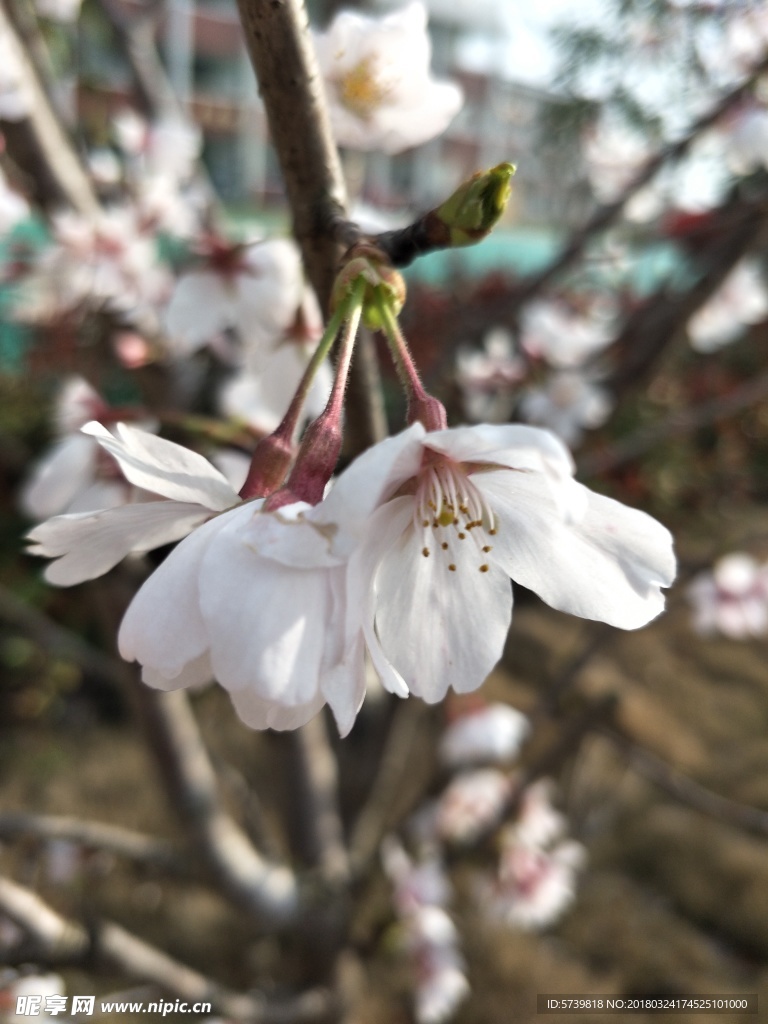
(270, 463)
(427, 410)
(475, 207)
(383, 283)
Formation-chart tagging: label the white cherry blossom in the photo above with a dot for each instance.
(252, 599)
(740, 301)
(75, 474)
(255, 289)
(568, 402)
(457, 513)
(732, 599)
(489, 377)
(381, 95)
(551, 331)
(472, 802)
(494, 732)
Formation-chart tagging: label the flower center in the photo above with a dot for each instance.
(450, 511)
(361, 90)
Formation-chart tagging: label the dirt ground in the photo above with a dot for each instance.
(673, 901)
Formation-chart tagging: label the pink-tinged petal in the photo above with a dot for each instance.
(610, 566)
(441, 626)
(361, 488)
(385, 527)
(88, 544)
(266, 621)
(163, 628)
(200, 307)
(265, 714)
(513, 445)
(67, 469)
(165, 468)
(195, 673)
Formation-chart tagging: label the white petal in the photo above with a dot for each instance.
(67, 469)
(385, 526)
(290, 537)
(441, 627)
(370, 479)
(513, 445)
(165, 468)
(610, 566)
(266, 621)
(265, 714)
(163, 628)
(195, 673)
(201, 306)
(88, 544)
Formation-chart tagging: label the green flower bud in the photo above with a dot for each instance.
(474, 208)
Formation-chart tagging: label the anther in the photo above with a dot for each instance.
(425, 522)
(452, 567)
(487, 548)
(444, 545)
(492, 532)
(425, 552)
(483, 568)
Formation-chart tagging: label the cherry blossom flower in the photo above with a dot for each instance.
(15, 93)
(103, 261)
(732, 599)
(381, 95)
(457, 512)
(488, 377)
(255, 289)
(472, 802)
(741, 300)
(613, 158)
(421, 892)
(568, 403)
(76, 475)
(493, 732)
(565, 339)
(746, 140)
(534, 885)
(13, 207)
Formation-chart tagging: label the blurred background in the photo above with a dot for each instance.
(621, 302)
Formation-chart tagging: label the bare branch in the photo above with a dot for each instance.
(266, 890)
(39, 144)
(689, 792)
(677, 424)
(604, 216)
(374, 818)
(110, 947)
(145, 850)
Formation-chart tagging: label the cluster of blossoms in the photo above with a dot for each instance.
(418, 536)
(548, 378)
(740, 302)
(533, 880)
(732, 599)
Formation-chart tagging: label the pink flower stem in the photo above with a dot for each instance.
(321, 444)
(273, 455)
(422, 407)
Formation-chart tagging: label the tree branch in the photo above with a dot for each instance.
(56, 940)
(605, 215)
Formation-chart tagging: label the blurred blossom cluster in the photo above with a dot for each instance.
(731, 599)
(533, 879)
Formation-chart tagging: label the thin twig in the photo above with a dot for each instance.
(321, 822)
(94, 835)
(266, 890)
(605, 215)
(39, 144)
(676, 424)
(54, 939)
(373, 820)
(687, 791)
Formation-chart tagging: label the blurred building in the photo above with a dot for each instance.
(203, 48)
